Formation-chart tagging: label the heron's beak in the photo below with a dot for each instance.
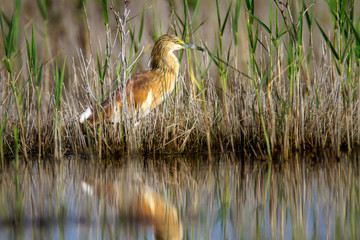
(192, 46)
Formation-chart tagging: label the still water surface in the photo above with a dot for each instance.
(307, 197)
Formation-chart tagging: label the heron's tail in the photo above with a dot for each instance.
(85, 115)
(90, 116)
(109, 109)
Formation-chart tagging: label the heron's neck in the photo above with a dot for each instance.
(166, 63)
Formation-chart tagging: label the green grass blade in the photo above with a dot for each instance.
(43, 5)
(28, 51)
(235, 22)
(217, 61)
(186, 17)
(308, 18)
(101, 71)
(2, 29)
(33, 50)
(59, 77)
(300, 28)
(156, 36)
(133, 43)
(218, 12)
(266, 28)
(16, 22)
(335, 54)
(105, 11)
(267, 73)
(176, 14)
(138, 14)
(195, 12)
(39, 75)
(355, 31)
(8, 38)
(256, 39)
(141, 25)
(197, 27)
(346, 51)
(225, 20)
(6, 19)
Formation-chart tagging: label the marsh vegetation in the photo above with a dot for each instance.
(279, 81)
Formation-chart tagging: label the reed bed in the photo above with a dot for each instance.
(277, 77)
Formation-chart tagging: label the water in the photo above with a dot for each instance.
(311, 197)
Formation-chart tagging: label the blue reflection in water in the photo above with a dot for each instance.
(135, 198)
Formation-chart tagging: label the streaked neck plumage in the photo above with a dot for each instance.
(164, 61)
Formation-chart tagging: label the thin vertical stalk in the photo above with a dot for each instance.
(2, 130)
(253, 40)
(59, 78)
(10, 45)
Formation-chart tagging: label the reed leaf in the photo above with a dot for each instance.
(59, 78)
(43, 6)
(327, 41)
(8, 39)
(105, 11)
(235, 22)
(195, 12)
(141, 25)
(225, 20)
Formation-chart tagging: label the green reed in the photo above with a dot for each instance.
(224, 57)
(59, 80)
(10, 45)
(290, 96)
(135, 41)
(44, 7)
(190, 26)
(187, 29)
(344, 56)
(235, 29)
(103, 67)
(35, 79)
(254, 68)
(154, 23)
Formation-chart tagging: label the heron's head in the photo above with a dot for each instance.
(162, 53)
(169, 43)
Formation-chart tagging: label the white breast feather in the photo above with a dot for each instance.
(146, 106)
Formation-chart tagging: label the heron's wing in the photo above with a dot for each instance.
(137, 91)
(138, 88)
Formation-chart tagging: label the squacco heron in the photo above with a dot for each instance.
(147, 89)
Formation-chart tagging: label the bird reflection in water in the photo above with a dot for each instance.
(140, 203)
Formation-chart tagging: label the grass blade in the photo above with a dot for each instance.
(105, 11)
(333, 51)
(225, 20)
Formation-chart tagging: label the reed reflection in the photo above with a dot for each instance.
(307, 197)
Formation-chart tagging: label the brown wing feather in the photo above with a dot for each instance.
(138, 87)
